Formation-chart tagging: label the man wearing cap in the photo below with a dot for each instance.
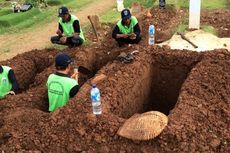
(61, 87)
(8, 82)
(69, 31)
(127, 30)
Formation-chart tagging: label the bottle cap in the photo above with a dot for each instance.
(94, 85)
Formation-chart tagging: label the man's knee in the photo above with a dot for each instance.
(138, 39)
(77, 40)
(54, 39)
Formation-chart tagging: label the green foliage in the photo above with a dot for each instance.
(54, 2)
(5, 11)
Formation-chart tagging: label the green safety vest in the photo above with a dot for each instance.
(5, 84)
(127, 29)
(58, 90)
(68, 27)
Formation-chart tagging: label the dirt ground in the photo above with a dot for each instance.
(218, 19)
(192, 88)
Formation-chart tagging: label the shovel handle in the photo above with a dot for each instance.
(185, 38)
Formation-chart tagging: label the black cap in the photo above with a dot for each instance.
(62, 60)
(63, 11)
(125, 14)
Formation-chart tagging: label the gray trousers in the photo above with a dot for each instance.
(71, 41)
(162, 3)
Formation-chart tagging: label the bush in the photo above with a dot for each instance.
(54, 2)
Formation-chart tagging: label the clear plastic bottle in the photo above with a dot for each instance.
(96, 100)
(151, 35)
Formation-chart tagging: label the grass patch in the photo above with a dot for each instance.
(110, 16)
(182, 28)
(209, 29)
(18, 21)
(205, 4)
(12, 22)
(145, 3)
(5, 11)
(54, 2)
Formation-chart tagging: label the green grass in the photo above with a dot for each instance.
(209, 29)
(145, 3)
(12, 22)
(110, 16)
(18, 21)
(5, 11)
(205, 4)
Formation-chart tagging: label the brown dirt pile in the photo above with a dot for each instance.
(191, 88)
(218, 19)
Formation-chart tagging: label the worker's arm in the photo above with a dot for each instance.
(137, 30)
(74, 91)
(60, 30)
(13, 81)
(117, 34)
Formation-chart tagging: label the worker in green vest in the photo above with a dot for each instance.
(127, 30)
(69, 31)
(8, 82)
(62, 87)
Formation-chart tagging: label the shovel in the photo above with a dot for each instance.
(185, 38)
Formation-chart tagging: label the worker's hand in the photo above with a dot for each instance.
(59, 33)
(132, 36)
(63, 40)
(75, 76)
(11, 93)
(122, 36)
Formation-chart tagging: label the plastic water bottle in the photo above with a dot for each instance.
(120, 5)
(96, 100)
(151, 35)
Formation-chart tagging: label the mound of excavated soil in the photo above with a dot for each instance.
(191, 88)
(218, 19)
